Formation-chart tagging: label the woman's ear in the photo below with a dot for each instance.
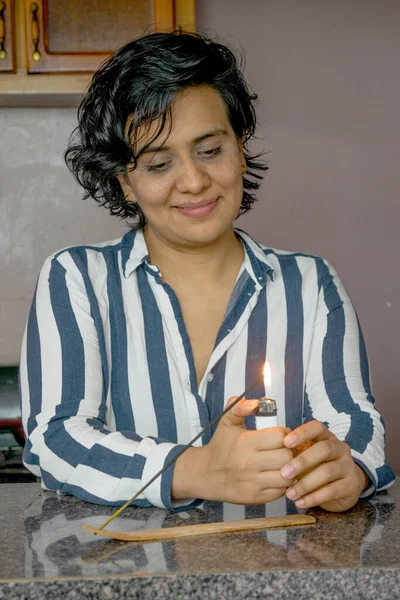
(126, 187)
(241, 151)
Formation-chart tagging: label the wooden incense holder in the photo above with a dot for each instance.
(144, 535)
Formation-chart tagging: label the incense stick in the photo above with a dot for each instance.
(171, 462)
(166, 533)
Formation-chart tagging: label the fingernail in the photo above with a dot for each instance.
(287, 472)
(291, 493)
(300, 503)
(290, 440)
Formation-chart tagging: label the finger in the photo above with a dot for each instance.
(271, 480)
(326, 450)
(311, 431)
(272, 460)
(268, 439)
(323, 474)
(331, 491)
(244, 408)
(267, 495)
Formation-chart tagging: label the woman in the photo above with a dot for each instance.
(134, 345)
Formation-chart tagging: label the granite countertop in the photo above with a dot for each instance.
(46, 554)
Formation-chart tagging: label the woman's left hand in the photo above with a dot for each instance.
(326, 473)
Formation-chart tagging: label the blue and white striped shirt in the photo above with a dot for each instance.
(107, 376)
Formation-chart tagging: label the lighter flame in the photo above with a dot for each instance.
(267, 376)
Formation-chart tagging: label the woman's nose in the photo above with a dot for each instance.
(192, 178)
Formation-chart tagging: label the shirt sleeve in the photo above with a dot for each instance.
(338, 389)
(71, 442)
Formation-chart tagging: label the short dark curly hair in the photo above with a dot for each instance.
(136, 86)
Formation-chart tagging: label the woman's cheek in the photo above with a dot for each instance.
(153, 194)
(229, 176)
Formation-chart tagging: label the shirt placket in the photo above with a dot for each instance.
(182, 357)
(233, 332)
(175, 327)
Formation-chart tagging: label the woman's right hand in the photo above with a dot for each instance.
(238, 465)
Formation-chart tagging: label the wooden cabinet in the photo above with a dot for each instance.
(75, 36)
(7, 37)
(53, 46)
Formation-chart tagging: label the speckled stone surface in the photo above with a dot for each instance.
(46, 554)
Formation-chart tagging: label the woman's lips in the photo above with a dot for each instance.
(199, 211)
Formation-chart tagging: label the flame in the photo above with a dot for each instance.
(267, 376)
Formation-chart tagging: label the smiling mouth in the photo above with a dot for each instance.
(201, 210)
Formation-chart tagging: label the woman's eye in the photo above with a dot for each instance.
(159, 168)
(212, 151)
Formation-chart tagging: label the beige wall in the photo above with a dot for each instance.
(328, 82)
(327, 78)
(41, 211)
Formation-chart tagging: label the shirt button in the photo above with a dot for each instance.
(210, 377)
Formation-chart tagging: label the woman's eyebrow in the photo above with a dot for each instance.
(209, 134)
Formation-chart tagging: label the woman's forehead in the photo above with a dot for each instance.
(195, 114)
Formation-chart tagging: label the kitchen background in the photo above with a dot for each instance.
(326, 73)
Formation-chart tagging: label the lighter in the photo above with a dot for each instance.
(266, 414)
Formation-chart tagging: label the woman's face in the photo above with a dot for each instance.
(188, 182)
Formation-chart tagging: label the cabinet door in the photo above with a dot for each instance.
(78, 35)
(7, 36)
(184, 11)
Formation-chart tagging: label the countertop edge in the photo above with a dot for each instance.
(362, 583)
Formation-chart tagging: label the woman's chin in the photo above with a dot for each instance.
(204, 235)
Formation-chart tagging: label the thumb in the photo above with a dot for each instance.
(242, 409)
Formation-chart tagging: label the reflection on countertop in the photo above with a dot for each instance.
(42, 539)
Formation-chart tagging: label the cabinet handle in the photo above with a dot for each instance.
(35, 31)
(3, 51)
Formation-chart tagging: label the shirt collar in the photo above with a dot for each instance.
(134, 253)
(256, 262)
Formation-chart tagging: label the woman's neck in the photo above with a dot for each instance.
(206, 265)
